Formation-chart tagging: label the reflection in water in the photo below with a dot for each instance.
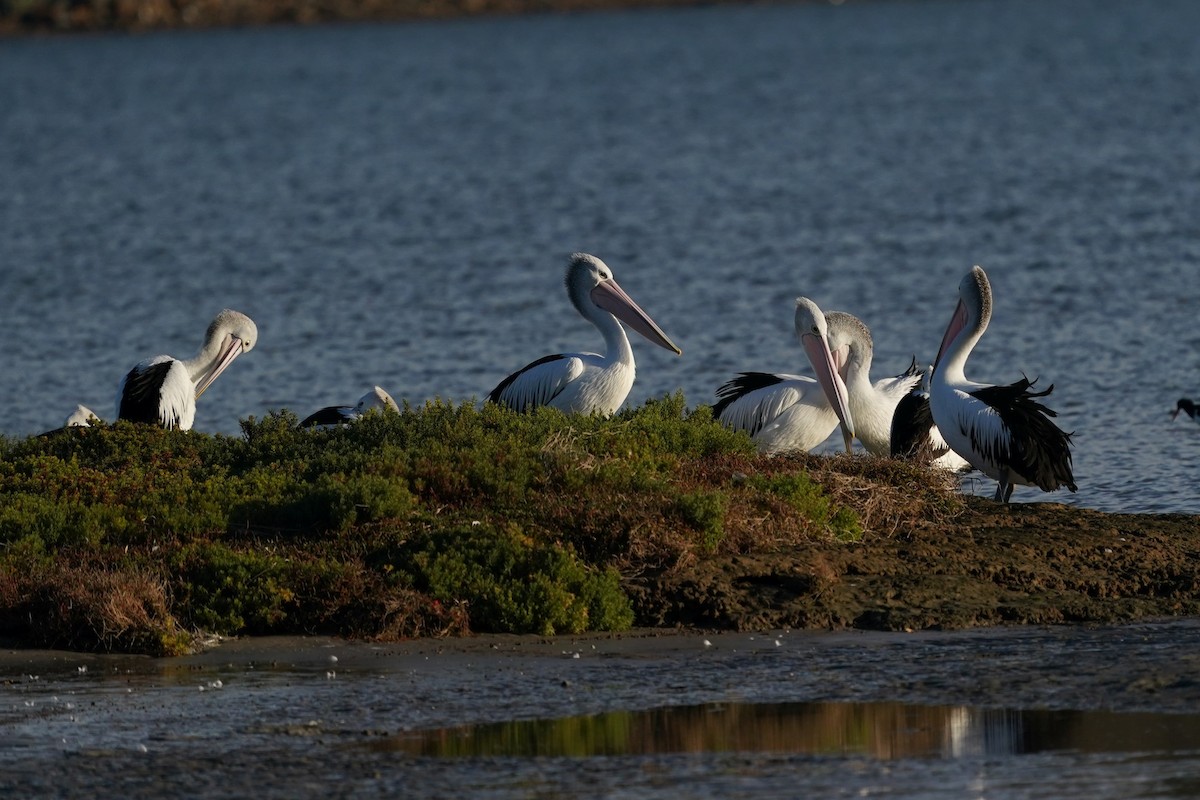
(881, 730)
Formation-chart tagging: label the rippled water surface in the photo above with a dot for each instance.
(394, 204)
(1022, 713)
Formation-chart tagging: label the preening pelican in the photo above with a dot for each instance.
(1001, 430)
(163, 390)
(585, 383)
(791, 413)
(1186, 406)
(339, 415)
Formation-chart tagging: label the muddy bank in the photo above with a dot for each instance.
(26, 16)
(1026, 563)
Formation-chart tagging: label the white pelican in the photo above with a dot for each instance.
(791, 413)
(874, 405)
(1001, 430)
(163, 390)
(338, 415)
(1186, 406)
(585, 383)
(81, 417)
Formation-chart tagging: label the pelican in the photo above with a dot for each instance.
(1001, 430)
(585, 383)
(338, 415)
(81, 417)
(791, 413)
(163, 390)
(1186, 406)
(913, 434)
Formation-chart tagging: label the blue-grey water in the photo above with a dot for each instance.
(394, 204)
(1055, 713)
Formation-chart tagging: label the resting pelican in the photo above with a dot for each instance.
(338, 415)
(791, 413)
(1001, 430)
(585, 383)
(163, 390)
(81, 417)
(1186, 406)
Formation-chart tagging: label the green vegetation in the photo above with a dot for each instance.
(437, 520)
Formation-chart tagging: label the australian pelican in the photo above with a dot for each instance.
(1003, 431)
(163, 390)
(585, 383)
(339, 415)
(914, 436)
(81, 417)
(791, 413)
(874, 404)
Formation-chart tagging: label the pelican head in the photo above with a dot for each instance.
(81, 417)
(813, 333)
(376, 398)
(229, 335)
(973, 312)
(849, 339)
(592, 289)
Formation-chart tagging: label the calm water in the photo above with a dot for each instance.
(395, 204)
(1032, 713)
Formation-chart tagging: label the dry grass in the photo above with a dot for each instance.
(84, 606)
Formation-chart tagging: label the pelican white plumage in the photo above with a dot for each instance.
(163, 390)
(81, 417)
(1001, 430)
(586, 383)
(377, 398)
(874, 404)
(791, 413)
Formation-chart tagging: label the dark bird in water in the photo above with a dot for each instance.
(1186, 406)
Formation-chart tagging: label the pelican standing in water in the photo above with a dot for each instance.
(340, 415)
(1001, 430)
(791, 413)
(586, 383)
(163, 390)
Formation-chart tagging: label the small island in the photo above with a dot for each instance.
(443, 520)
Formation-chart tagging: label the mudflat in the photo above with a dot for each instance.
(991, 564)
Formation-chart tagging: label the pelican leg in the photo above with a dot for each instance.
(1004, 488)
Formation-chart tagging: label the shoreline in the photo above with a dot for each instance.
(1130, 667)
(45, 17)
